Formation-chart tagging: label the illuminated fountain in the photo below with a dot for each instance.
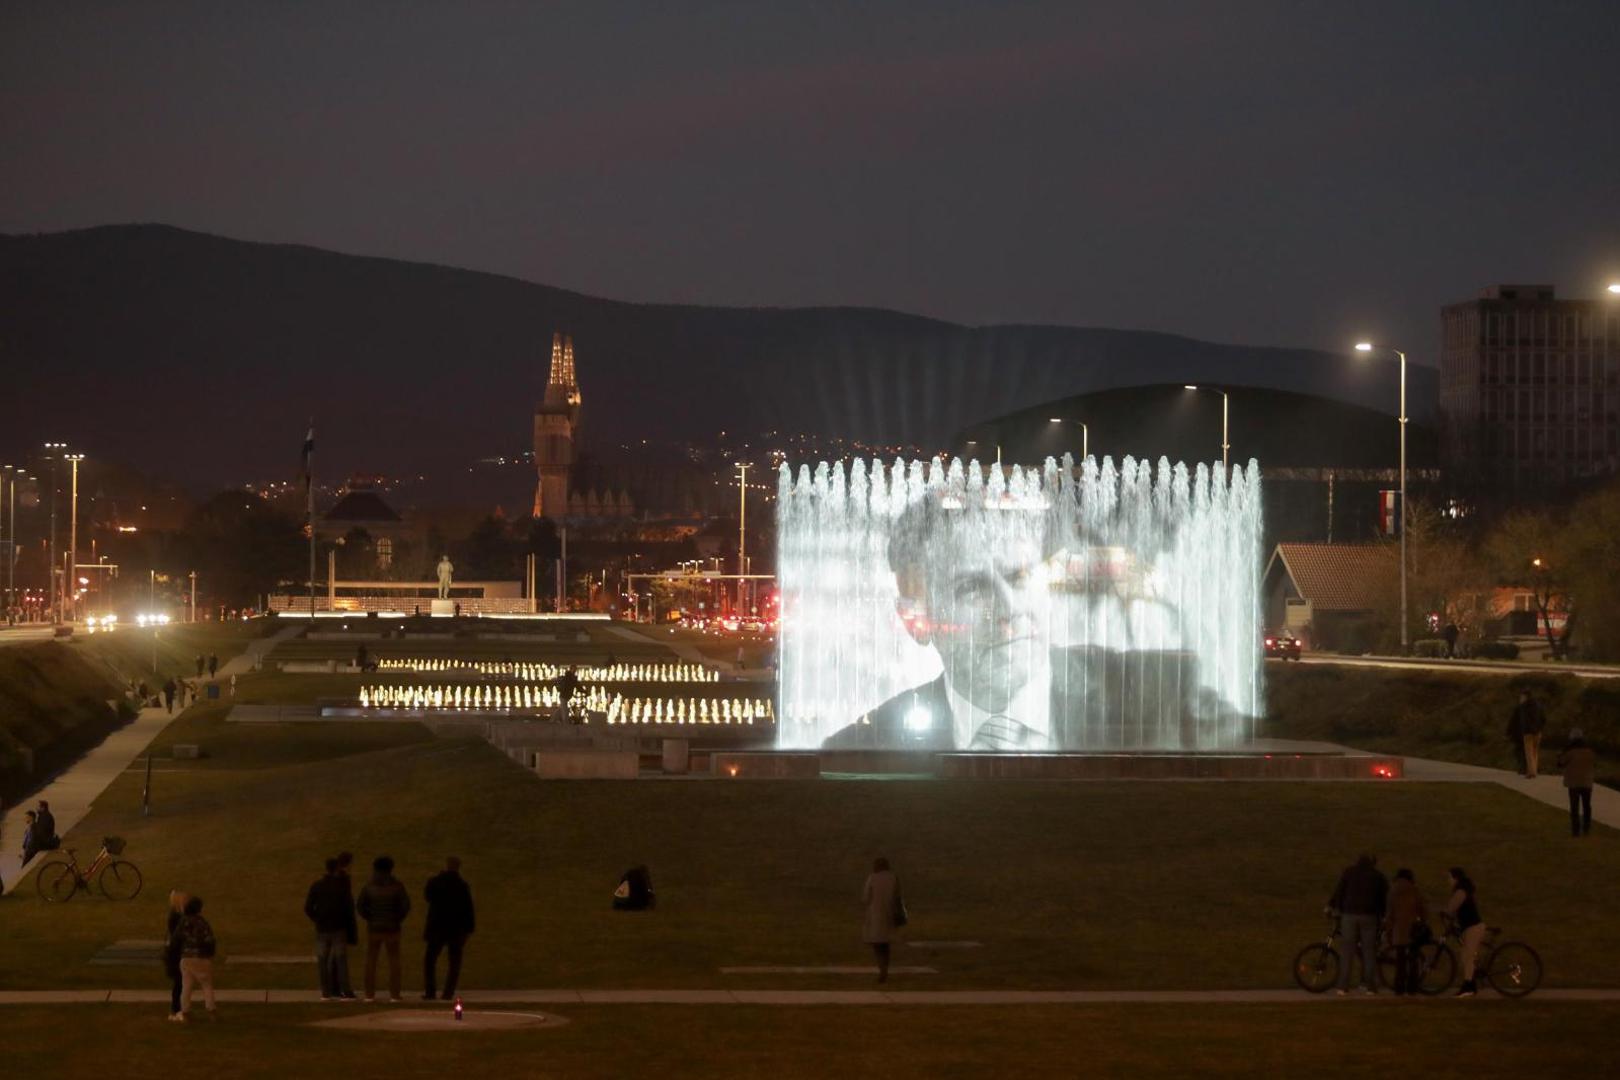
(522, 671)
(957, 606)
(615, 707)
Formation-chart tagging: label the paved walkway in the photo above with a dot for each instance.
(787, 997)
(75, 790)
(1546, 788)
(1468, 667)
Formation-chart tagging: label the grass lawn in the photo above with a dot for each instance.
(1452, 716)
(1480, 1038)
(1147, 885)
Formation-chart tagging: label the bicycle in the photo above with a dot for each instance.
(1512, 968)
(1316, 966)
(59, 880)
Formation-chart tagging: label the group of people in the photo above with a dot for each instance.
(1367, 904)
(39, 831)
(1577, 761)
(383, 905)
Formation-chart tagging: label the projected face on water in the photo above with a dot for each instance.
(959, 606)
(978, 595)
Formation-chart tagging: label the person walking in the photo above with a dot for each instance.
(1450, 634)
(383, 904)
(1462, 908)
(169, 689)
(1529, 721)
(171, 950)
(449, 922)
(330, 906)
(201, 663)
(884, 913)
(213, 665)
(1406, 923)
(195, 938)
(1579, 763)
(1359, 900)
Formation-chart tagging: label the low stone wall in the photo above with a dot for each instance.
(587, 764)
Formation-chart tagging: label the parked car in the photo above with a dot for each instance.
(1283, 645)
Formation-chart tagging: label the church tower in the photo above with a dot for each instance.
(556, 426)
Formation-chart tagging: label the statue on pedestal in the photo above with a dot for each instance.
(446, 568)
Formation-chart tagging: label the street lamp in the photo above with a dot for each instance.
(1367, 347)
(16, 475)
(1226, 401)
(73, 540)
(1614, 287)
(1085, 435)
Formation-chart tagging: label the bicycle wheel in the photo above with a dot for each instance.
(1316, 968)
(1437, 967)
(1514, 969)
(57, 882)
(119, 880)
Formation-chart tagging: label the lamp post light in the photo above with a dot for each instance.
(1368, 347)
(1085, 435)
(1226, 401)
(73, 542)
(1614, 287)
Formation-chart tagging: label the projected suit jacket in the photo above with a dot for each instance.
(1101, 699)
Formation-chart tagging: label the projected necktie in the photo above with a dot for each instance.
(1001, 733)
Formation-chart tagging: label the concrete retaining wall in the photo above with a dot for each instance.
(766, 765)
(587, 764)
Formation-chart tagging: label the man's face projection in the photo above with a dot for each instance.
(984, 594)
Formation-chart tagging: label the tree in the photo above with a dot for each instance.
(1531, 549)
(241, 548)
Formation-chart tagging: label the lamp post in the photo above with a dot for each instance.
(742, 535)
(1367, 347)
(73, 542)
(1085, 435)
(13, 474)
(1226, 401)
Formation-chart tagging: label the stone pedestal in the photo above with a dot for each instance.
(442, 608)
(677, 756)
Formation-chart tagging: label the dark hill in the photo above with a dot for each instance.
(199, 358)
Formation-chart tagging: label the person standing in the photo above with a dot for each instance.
(330, 906)
(45, 838)
(449, 921)
(1463, 909)
(200, 664)
(169, 689)
(171, 950)
(383, 904)
(196, 947)
(1579, 762)
(213, 665)
(1529, 721)
(885, 913)
(345, 859)
(1359, 900)
(1406, 913)
(1450, 633)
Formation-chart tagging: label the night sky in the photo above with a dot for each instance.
(1295, 173)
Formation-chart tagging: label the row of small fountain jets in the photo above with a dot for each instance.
(546, 672)
(615, 706)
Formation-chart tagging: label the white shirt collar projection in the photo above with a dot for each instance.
(1031, 707)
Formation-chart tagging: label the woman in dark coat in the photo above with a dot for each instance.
(1402, 917)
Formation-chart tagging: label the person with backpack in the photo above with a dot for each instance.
(195, 940)
(383, 904)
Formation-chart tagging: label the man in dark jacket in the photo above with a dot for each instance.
(383, 903)
(1359, 902)
(1529, 721)
(45, 838)
(169, 689)
(449, 921)
(330, 906)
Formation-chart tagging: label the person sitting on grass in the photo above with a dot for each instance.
(635, 891)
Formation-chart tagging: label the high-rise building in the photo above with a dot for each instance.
(556, 426)
(1530, 387)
